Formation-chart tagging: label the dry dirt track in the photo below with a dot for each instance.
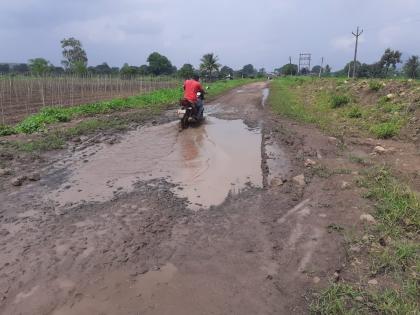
(157, 221)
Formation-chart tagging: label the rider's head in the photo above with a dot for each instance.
(196, 77)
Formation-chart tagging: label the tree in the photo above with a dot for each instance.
(20, 68)
(327, 70)
(186, 71)
(226, 72)
(248, 71)
(412, 67)
(209, 64)
(261, 73)
(75, 58)
(287, 69)
(4, 68)
(40, 66)
(144, 70)
(128, 71)
(349, 68)
(103, 68)
(316, 69)
(115, 70)
(58, 70)
(389, 59)
(159, 64)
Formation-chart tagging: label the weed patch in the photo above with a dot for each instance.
(338, 100)
(355, 112)
(385, 130)
(6, 130)
(375, 85)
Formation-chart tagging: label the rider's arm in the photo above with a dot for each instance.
(201, 88)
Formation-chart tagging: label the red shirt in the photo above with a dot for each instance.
(191, 87)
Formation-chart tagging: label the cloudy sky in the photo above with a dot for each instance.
(264, 32)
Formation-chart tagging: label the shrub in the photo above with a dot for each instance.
(375, 85)
(385, 130)
(6, 130)
(55, 114)
(338, 100)
(354, 112)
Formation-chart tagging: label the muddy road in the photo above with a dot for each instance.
(222, 218)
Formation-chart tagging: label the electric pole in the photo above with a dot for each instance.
(358, 33)
(322, 66)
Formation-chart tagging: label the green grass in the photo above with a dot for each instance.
(6, 130)
(397, 207)
(375, 85)
(397, 258)
(49, 142)
(343, 299)
(46, 116)
(153, 100)
(385, 130)
(355, 112)
(396, 262)
(323, 103)
(338, 100)
(284, 100)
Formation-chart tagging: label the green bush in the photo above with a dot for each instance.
(56, 114)
(375, 85)
(6, 130)
(338, 100)
(385, 130)
(354, 112)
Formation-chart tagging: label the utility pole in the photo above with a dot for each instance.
(290, 60)
(322, 67)
(355, 50)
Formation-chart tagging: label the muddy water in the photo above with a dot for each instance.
(207, 163)
(266, 93)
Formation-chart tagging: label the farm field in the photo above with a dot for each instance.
(21, 96)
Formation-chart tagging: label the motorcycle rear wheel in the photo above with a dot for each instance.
(184, 121)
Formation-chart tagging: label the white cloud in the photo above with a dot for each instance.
(346, 43)
(390, 35)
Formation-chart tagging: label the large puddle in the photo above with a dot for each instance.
(207, 163)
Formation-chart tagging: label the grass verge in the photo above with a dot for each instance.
(393, 255)
(334, 106)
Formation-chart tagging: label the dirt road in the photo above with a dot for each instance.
(223, 218)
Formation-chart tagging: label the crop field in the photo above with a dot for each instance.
(21, 96)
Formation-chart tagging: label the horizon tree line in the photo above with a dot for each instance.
(75, 61)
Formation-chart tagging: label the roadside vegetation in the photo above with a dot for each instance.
(384, 272)
(379, 109)
(389, 262)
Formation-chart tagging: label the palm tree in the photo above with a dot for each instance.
(209, 64)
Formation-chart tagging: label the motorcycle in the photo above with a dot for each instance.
(188, 112)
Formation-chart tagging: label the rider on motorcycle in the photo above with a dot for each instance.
(191, 88)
